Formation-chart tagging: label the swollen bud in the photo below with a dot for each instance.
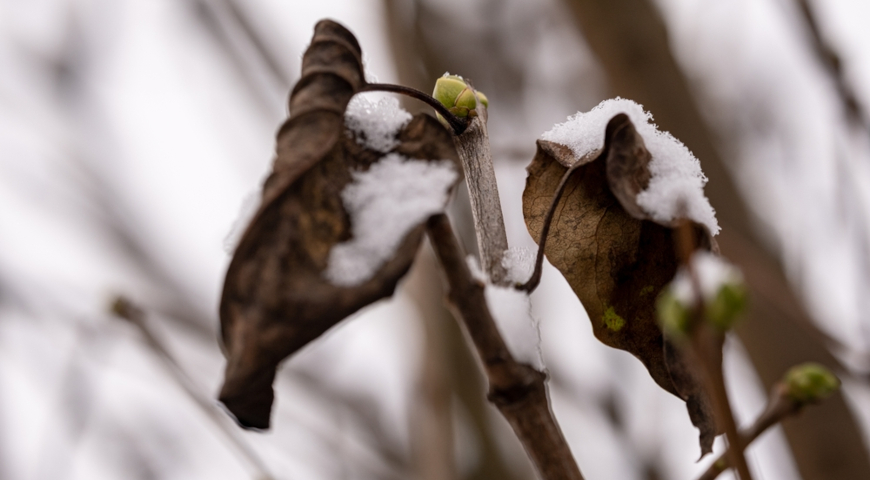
(724, 310)
(674, 317)
(810, 382)
(722, 291)
(455, 94)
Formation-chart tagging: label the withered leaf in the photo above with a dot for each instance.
(614, 257)
(275, 297)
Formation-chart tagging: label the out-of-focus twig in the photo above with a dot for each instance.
(518, 390)
(783, 404)
(124, 308)
(706, 347)
(780, 407)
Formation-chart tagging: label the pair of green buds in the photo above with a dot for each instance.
(722, 307)
(722, 311)
(459, 98)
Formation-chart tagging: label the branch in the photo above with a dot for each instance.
(472, 144)
(518, 390)
(473, 149)
(706, 348)
(780, 407)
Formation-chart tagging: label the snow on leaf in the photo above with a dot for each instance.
(386, 202)
(375, 124)
(276, 297)
(676, 178)
(615, 257)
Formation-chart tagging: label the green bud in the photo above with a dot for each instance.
(725, 309)
(810, 382)
(673, 316)
(482, 99)
(457, 96)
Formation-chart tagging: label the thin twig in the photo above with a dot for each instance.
(518, 390)
(535, 279)
(474, 152)
(124, 308)
(780, 407)
(705, 346)
(457, 124)
(472, 144)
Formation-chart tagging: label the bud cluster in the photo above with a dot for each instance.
(722, 294)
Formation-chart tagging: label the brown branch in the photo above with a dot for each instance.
(706, 347)
(474, 152)
(780, 407)
(518, 390)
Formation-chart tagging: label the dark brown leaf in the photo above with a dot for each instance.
(615, 259)
(275, 298)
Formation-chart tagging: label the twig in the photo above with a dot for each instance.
(458, 125)
(780, 407)
(472, 144)
(473, 149)
(535, 279)
(705, 346)
(124, 308)
(518, 390)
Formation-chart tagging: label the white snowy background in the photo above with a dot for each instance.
(134, 132)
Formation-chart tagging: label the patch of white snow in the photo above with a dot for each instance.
(512, 311)
(385, 203)
(376, 124)
(519, 262)
(677, 178)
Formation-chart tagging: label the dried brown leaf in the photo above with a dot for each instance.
(614, 257)
(275, 298)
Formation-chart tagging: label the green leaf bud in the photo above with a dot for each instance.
(725, 308)
(674, 317)
(810, 382)
(482, 99)
(722, 292)
(455, 94)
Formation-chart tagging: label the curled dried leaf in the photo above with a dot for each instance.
(614, 257)
(276, 298)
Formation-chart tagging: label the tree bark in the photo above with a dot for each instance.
(518, 390)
